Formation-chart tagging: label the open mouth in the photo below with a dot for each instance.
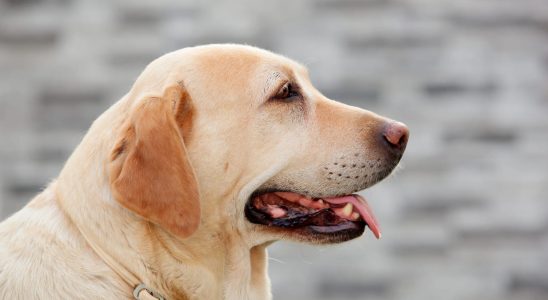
(329, 215)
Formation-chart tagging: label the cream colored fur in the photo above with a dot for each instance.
(237, 144)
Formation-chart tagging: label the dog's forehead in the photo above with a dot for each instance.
(239, 58)
(234, 71)
(221, 67)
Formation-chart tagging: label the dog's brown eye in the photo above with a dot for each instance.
(288, 93)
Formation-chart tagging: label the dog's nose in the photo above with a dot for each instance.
(396, 135)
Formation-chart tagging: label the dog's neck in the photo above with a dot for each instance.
(210, 264)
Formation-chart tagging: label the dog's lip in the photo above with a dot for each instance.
(349, 208)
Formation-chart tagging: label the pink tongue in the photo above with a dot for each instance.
(363, 207)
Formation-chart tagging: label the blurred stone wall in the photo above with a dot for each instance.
(466, 215)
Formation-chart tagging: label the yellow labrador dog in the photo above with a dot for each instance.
(178, 188)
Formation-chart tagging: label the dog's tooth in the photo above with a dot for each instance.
(347, 209)
(319, 204)
(276, 211)
(355, 216)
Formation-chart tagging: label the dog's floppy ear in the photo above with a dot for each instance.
(150, 173)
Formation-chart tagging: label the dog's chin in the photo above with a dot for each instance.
(292, 216)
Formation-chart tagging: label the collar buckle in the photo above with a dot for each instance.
(137, 291)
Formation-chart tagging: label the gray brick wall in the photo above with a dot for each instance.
(465, 217)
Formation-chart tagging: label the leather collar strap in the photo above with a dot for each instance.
(141, 291)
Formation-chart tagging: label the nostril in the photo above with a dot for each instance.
(396, 134)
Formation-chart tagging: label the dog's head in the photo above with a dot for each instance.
(236, 139)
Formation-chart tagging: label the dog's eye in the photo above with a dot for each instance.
(287, 93)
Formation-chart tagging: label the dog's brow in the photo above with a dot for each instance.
(271, 81)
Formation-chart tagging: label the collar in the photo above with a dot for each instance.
(141, 291)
